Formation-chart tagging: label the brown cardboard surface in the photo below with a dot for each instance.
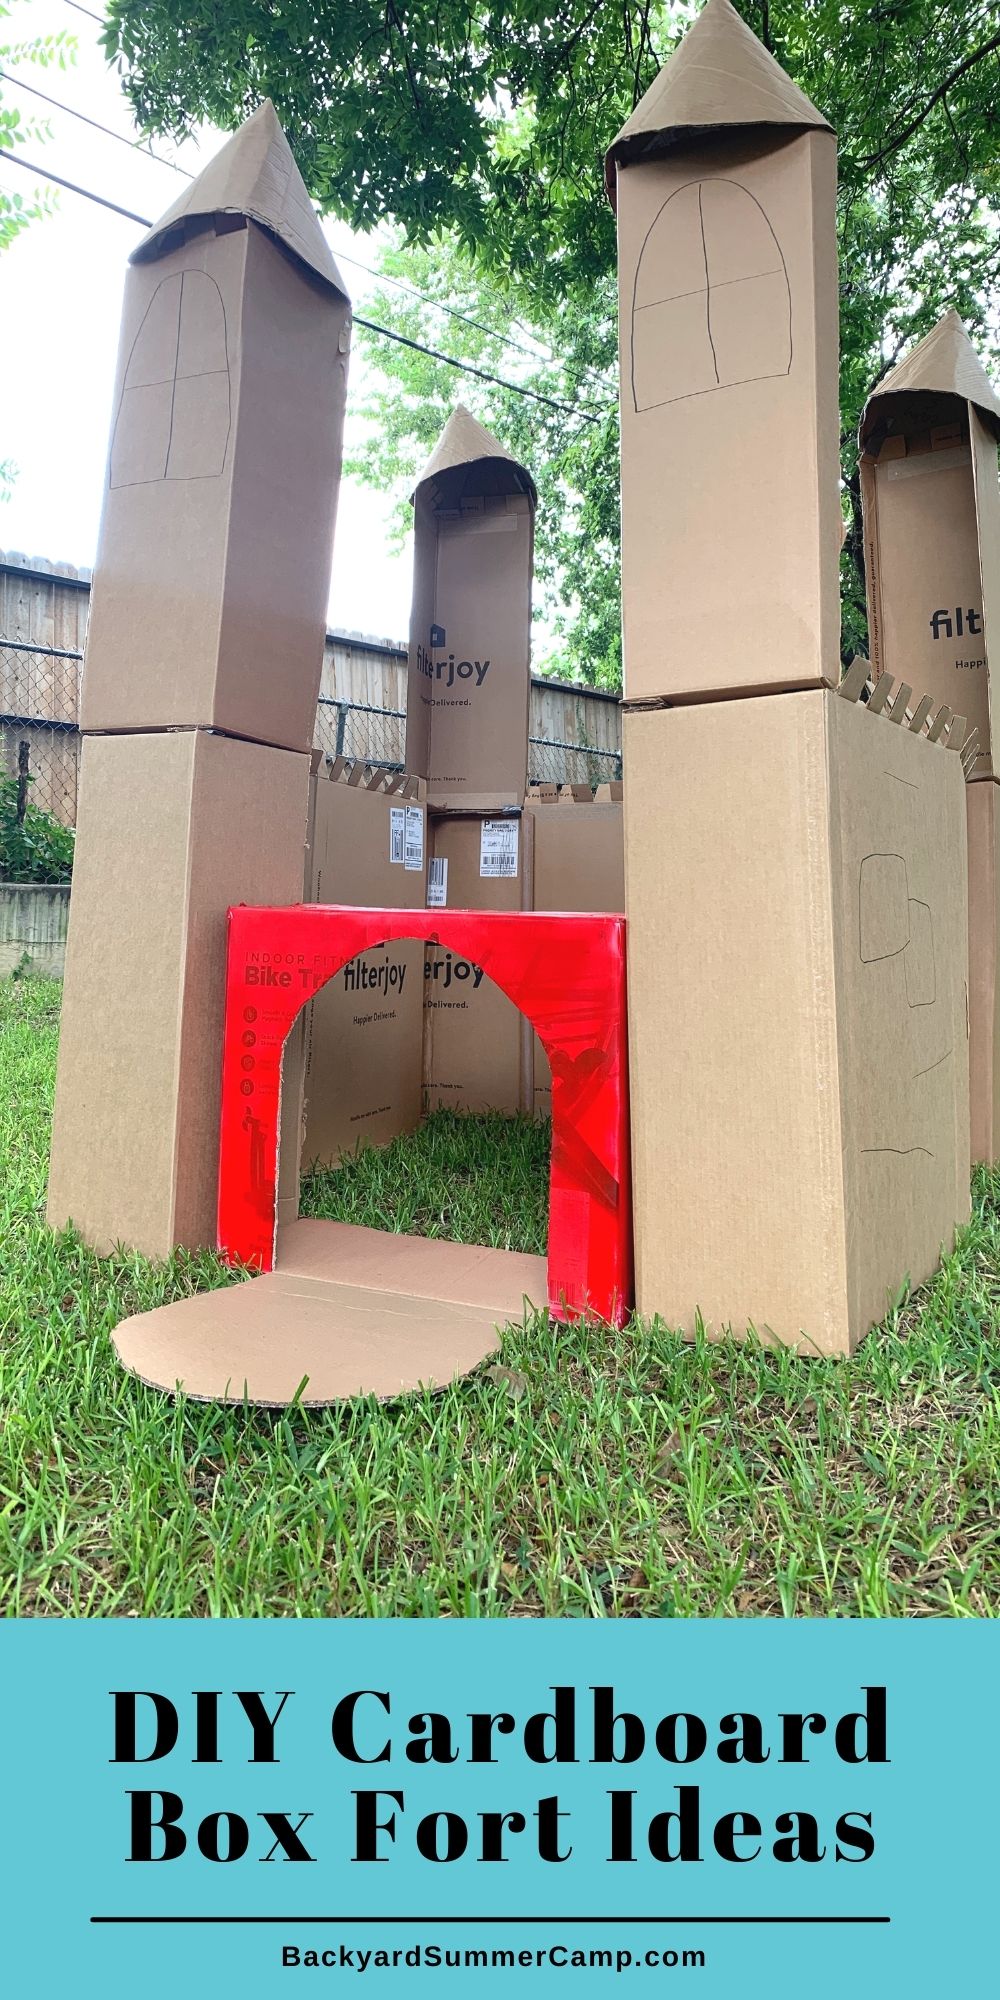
(172, 829)
(984, 988)
(253, 175)
(468, 680)
(728, 313)
(209, 599)
(719, 75)
(945, 363)
(578, 864)
(351, 1311)
(931, 508)
(921, 542)
(364, 1032)
(476, 1046)
(800, 1137)
(466, 1274)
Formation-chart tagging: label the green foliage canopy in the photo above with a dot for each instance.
(479, 130)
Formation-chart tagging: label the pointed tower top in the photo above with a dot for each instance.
(253, 174)
(944, 363)
(719, 75)
(465, 441)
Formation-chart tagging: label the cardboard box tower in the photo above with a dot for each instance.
(467, 700)
(467, 732)
(931, 502)
(795, 866)
(201, 677)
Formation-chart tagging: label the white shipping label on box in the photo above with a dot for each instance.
(437, 883)
(498, 847)
(414, 844)
(397, 833)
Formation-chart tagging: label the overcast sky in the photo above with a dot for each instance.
(60, 300)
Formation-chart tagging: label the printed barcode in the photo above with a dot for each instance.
(397, 833)
(414, 838)
(437, 882)
(498, 848)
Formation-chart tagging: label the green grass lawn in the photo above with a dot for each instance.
(590, 1474)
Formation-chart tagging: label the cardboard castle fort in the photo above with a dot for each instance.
(932, 561)
(795, 866)
(795, 862)
(201, 677)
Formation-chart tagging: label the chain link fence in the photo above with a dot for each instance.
(553, 763)
(368, 735)
(377, 736)
(39, 706)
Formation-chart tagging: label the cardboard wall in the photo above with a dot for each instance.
(731, 522)
(364, 1030)
(477, 1046)
(172, 829)
(798, 1024)
(578, 847)
(984, 987)
(209, 597)
(921, 500)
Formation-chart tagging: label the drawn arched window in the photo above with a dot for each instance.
(173, 418)
(711, 306)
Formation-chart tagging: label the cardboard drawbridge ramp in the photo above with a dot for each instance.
(339, 1311)
(403, 1313)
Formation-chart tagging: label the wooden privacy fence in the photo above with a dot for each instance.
(574, 733)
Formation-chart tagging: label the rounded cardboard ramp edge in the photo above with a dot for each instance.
(267, 1336)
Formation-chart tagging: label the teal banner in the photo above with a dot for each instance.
(754, 1806)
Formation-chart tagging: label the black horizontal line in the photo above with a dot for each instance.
(428, 1922)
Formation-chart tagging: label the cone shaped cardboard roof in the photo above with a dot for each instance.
(719, 75)
(254, 174)
(945, 363)
(464, 441)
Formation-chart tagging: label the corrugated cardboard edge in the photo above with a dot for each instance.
(718, 77)
(253, 175)
(465, 441)
(945, 363)
(893, 701)
(354, 771)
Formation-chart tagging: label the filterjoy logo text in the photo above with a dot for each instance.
(448, 968)
(384, 978)
(451, 670)
(941, 623)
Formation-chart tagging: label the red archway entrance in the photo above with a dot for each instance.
(565, 973)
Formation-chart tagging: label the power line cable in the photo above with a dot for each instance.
(570, 409)
(135, 145)
(74, 187)
(77, 9)
(466, 367)
(347, 257)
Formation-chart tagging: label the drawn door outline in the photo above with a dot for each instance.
(779, 269)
